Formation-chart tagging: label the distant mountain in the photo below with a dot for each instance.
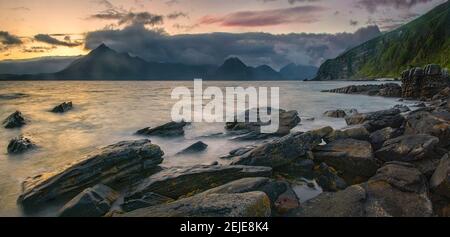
(298, 72)
(233, 69)
(422, 41)
(36, 65)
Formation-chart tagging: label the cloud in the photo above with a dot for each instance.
(213, 48)
(373, 5)
(8, 39)
(301, 14)
(20, 9)
(354, 23)
(176, 15)
(54, 41)
(292, 2)
(129, 18)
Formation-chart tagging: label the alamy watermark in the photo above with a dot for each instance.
(236, 104)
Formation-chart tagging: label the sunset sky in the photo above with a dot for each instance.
(35, 28)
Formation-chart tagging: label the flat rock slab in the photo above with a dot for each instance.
(377, 120)
(113, 165)
(408, 148)
(252, 204)
(436, 124)
(184, 181)
(171, 129)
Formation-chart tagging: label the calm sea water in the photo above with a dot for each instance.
(107, 112)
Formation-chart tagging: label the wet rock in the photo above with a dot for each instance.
(177, 182)
(335, 113)
(252, 204)
(377, 120)
(418, 83)
(113, 165)
(20, 145)
(148, 200)
(285, 150)
(287, 121)
(443, 94)
(435, 124)
(354, 158)
(378, 138)
(408, 148)
(386, 90)
(440, 181)
(194, 148)
(15, 120)
(62, 108)
(238, 152)
(357, 132)
(328, 179)
(402, 108)
(171, 129)
(419, 105)
(92, 202)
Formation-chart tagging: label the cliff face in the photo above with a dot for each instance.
(420, 42)
(418, 83)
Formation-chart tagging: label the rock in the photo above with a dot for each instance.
(62, 108)
(378, 138)
(402, 108)
(238, 152)
(440, 181)
(287, 121)
(427, 166)
(148, 200)
(386, 90)
(177, 182)
(252, 204)
(194, 148)
(281, 195)
(443, 94)
(113, 165)
(377, 120)
(408, 148)
(357, 132)
(435, 124)
(20, 145)
(397, 190)
(328, 179)
(354, 158)
(15, 120)
(92, 202)
(171, 129)
(285, 150)
(418, 83)
(335, 113)
(419, 105)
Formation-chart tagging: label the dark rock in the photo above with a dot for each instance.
(20, 145)
(418, 83)
(402, 108)
(419, 105)
(377, 120)
(357, 132)
(62, 108)
(328, 179)
(238, 152)
(170, 129)
(354, 158)
(113, 165)
(427, 166)
(177, 182)
(148, 200)
(378, 138)
(194, 148)
(15, 120)
(13, 96)
(440, 181)
(92, 202)
(335, 113)
(252, 204)
(386, 90)
(435, 124)
(408, 148)
(285, 150)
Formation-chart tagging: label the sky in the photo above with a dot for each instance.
(183, 30)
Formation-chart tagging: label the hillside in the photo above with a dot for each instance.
(420, 42)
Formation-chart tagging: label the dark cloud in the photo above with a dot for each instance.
(301, 14)
(354, 23)
(54, 41)
(8, 39)
(172, 2)
(176, 15)
(213, 48)
(37, 49)
(373, 5)
(129, 18)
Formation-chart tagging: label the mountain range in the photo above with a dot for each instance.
(423, 41)
(103, 63)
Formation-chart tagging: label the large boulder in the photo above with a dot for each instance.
(113, 165)
(440, 181)
(177, 182)
(328, 179)
(15, 120)
(285, 150)
(378, 138)
(436, 124)
(20, 145)
(377, 120)
(354, 158)
(357, 132)
(397, 190)
(194, 148)
(62, 108)
(335, 113)
(171, 129)
(148, 200)
(252, 204)
(408, 148)
(92, 202)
